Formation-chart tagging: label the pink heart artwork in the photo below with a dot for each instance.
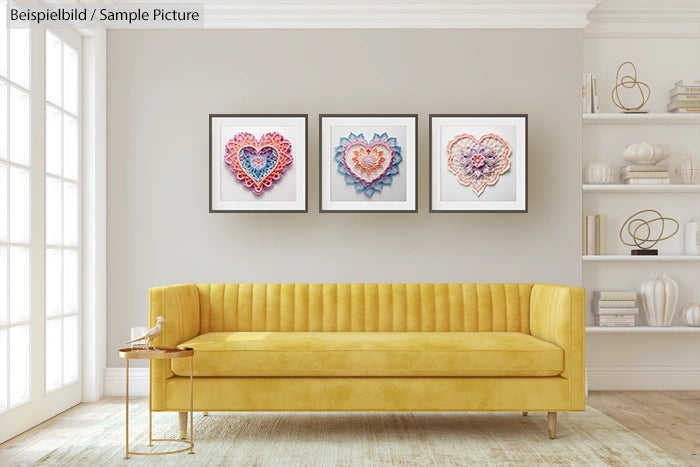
(478, 163)
(258, 165)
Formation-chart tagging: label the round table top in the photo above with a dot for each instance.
(157, 353)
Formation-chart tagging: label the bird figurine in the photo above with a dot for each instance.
(151, 333)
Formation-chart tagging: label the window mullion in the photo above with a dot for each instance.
(38, 207)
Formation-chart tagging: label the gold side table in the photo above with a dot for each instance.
(151, 354)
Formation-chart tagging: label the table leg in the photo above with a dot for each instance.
(127, 409)
(191, 405)
(150, 411)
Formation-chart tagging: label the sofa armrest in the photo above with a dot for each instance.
(179, 305)
(557, 315)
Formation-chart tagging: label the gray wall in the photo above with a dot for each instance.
(163, 84)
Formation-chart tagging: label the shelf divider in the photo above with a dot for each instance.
(643, 330)
(636, 119)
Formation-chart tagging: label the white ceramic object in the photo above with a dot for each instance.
(599, 173)
(643, 153)
(691, 314)
(660, 153)
(659, 295)
(688, 170)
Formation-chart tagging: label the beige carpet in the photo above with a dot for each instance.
(95, 436)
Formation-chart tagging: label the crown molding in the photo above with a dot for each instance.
(389, 14)
(644, 18)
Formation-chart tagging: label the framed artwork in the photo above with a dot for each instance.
(478, 163)
(368, 163)
(258, 163)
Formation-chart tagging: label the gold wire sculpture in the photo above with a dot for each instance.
(629, 81)
(634, 223)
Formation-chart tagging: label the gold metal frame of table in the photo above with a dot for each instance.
(157, 353)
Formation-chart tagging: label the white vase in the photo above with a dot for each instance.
(691, 314)
(687, 170)
(599, 173)
(659, 295)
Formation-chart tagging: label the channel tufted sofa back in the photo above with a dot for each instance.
(364, 307)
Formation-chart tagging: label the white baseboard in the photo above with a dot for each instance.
(609, 377)
(643, 376)
(115, 382)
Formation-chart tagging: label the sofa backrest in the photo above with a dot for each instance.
(364, 307)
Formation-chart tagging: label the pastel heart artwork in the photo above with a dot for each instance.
(258, 165)
(368, 166)
(478, 163)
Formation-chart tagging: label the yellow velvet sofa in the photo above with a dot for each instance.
(371, 347)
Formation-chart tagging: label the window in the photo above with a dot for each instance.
(15, 219)
(62, 213)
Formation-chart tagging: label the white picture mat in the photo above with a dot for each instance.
(508, 194)
(336, 194)
(289, 193)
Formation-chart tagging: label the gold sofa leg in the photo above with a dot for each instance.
(525, 414)
(206, 414)
(552, 424)
(183, 425)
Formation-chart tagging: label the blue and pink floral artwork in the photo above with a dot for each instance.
(368, 166)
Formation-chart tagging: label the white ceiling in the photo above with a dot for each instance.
(606, 17)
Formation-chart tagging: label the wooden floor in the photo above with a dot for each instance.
(670, 419)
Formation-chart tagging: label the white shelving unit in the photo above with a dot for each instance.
(606, 135)
(653, 37)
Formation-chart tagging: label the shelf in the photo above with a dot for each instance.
(640, 258)
(623, 119)
(619, 188)
(643, 330)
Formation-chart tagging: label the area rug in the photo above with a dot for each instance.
(355, 439)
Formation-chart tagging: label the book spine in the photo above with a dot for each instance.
(603, 236)
(687, 82)
(685, 90)
(615, 295)
(648, 181)
(685, 111)
(589, 94)
(610, 319)
(617, 303)
(614, 325)
(590, 249)
(628, 175)
(583, 94)
(584, 234)
(597, 235)
(683, 105)
(643, 168)
(616, 311)
(596, 103)
(686, 98)
(615, 317)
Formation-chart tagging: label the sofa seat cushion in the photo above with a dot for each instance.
(257, 354)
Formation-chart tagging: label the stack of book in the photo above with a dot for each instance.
(589, 94)
(614, 309)
(685, 96)
(645, 175)
(595, 234)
